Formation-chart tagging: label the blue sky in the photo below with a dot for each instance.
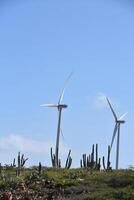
(41, 42)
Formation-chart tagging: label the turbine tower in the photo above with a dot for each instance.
(59, 106)
(118, 122)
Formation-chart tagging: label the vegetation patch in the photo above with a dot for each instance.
(66, 184)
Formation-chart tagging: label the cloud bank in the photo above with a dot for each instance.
(35, 149)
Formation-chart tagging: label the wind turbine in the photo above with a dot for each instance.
(59, 106)
(118, 122)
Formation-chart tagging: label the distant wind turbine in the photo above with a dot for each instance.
(59, 106)
(118, 122)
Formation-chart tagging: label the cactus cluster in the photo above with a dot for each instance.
(68, 161)
(21, 160)
(92, 161)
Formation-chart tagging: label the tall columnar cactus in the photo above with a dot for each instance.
(14, 163)
(68, 161)
(108, 166)
(52, 158)
(84, 156)
(40, 168)
(19, 160)
(96, 154)
(91, 161)
(0, 168)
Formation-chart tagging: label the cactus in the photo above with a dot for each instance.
(108, 160)
(53, 158)
(98, 165)
(23, 160)
(19, 159)
(96, 154)
(40, 168)
(0, 169)
(108, 167)
(104, 166)
(81, 164)
(68, 161)
(92, 155)
(84, 160)
(59, 163)
(14, 162)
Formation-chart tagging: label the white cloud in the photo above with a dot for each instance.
(35, 149)
(100, 102)
(20, 143)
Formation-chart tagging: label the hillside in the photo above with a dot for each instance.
(74, 184)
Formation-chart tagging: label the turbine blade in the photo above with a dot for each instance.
(123, 116)
(114, 134)
(112, 109)
(64, 88)
(49, 105)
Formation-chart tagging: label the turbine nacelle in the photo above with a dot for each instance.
(120, 121)
(60, 106)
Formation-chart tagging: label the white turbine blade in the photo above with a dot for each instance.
(49, 105)
(114, 134)
(123, 116)
(112, 109)
(63, 90)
